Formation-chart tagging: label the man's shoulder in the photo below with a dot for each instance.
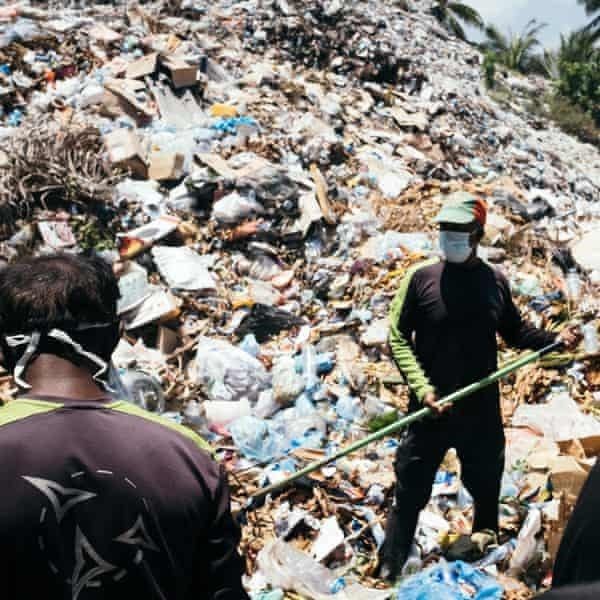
(26, 410)
(20, 409)
(166, 424)
(494, 271)
(424, 267)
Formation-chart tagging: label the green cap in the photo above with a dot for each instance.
(462, 208)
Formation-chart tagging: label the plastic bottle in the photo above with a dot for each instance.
(414, 563)
(573, 285)
(526, 542)
(138, 388)
(497, 555)
(590, 338)
(309, 367)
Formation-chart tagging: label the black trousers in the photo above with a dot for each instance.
(479, 442)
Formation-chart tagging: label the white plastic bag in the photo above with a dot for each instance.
(287, 384)
(233, 208)
(227, 372)
(184, 269)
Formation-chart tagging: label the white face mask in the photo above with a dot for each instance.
(455, 246)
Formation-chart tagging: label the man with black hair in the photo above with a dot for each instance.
(443, 325)
(100, 499)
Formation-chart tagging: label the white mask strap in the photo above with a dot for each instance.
(32, 342)
(61, 336)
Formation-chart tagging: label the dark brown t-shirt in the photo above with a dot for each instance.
(103, 500)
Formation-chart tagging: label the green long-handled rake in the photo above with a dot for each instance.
(402, 423)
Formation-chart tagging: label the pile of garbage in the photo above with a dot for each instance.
(261, 175)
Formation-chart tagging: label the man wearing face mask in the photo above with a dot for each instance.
(444, 322)
(100, 499)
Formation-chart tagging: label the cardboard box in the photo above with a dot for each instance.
(568, 474)
(125, 151)
(166, 167)
(182, 74)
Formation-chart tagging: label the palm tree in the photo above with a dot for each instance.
(576, 47)
(450, 14)
(515, 51)
(592, 7)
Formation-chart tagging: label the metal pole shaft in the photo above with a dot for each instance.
(408, 420)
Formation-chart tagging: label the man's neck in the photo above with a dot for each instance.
(51, 375)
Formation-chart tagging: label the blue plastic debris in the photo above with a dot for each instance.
(448, 581)
(15, 118)
(230, 125)
(338, 585)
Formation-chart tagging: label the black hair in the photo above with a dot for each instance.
(62, 291)
(56, 290)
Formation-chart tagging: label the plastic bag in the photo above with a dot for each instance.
(349, 409)
(250, 345)
(300, 426)
(266, 321)
(220, 413)
(266, 405)
(256, 439)
(445, 581)
(559, 420)
(287, 384)
(233, 208)
(227, 372)
(288, 568)
(184, 269)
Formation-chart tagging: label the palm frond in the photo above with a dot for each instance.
(495, 39)
(455, 27)
(466, 14)
(451, 14)
(591, 6)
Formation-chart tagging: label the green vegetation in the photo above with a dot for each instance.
(515, 51)
(451, 14)
(569, 117)
(592, 7)
(573, 68)
(489, 69)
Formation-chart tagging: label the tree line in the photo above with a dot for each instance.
(574, 66)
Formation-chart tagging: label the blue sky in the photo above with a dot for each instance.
(560, 15)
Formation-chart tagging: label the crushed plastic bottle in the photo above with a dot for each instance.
(590, 338)
(573, 282)
(138, 388)
(526, 541)
(309, 367)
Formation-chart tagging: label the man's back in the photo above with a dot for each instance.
(102, 500)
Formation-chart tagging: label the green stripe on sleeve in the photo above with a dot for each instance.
(132, 409)
(21, 408)
(402, 350)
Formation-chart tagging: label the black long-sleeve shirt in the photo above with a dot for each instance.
(104, 500)
(444, 321)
